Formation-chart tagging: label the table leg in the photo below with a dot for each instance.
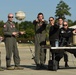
(54, 62)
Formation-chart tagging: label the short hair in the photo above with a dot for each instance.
(51, 17)
(40, 14)
(60, 18)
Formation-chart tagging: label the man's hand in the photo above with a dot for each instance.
(15, 33)
(37, 20)
(1, 38)
(42, 20)
(22, 32)
(74, 31)
(52, 24)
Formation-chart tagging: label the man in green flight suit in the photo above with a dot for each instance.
(40, 39)
(10, 33)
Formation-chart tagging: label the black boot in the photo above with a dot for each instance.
(42, 66)
(66, 64)
(75, 55)
(58, 64)
(38, 67)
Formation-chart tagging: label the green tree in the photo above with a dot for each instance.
(1, 28)
(29, 33)
(26, 24)
(62, 10)
(74, 23)
(70, 22)
(28, 27)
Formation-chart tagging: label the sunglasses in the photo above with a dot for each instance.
(65, 25)
(10, 16)
(50, 20)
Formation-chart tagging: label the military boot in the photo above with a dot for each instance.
(18, 68)
(66, 64)
(1, 69)
(38, 67)
(10, 68)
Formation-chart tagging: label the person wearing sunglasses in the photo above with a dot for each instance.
(65, 33)
(53, 37)
(10, 34)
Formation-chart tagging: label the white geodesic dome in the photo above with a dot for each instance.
(20, 15)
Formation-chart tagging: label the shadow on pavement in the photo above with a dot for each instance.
(33, 67)
(61, 68)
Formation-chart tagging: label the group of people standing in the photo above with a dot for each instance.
(57, 31)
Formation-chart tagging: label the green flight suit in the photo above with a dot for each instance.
(40, 39)
(11, 44)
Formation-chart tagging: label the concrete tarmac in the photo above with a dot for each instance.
(29, 66)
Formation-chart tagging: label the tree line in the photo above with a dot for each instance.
(26, 26)
(62, 10)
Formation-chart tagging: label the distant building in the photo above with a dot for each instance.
(74, 26)
(74, 35)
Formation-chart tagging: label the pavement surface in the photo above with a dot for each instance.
(29, 66)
